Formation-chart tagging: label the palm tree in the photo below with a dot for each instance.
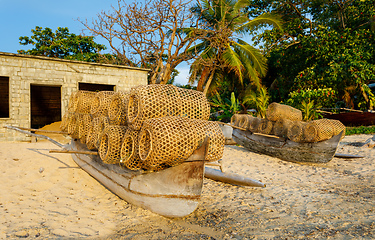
(221, 48)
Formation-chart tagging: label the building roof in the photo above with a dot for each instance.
(72, 61)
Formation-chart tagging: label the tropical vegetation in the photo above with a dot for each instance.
(61, 44)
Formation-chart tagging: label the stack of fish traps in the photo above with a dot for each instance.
(150, 127)
(285, 121)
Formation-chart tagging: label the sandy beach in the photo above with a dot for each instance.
(46, 196)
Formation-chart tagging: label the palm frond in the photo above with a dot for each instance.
(259, 62)
(265, 18)
(233, 61)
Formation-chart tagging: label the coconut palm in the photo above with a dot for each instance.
(221, 48)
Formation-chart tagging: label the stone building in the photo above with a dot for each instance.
(34, 90)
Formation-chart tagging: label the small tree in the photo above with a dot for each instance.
(148, 35)
(61, 44)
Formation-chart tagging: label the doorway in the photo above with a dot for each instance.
(45, 105)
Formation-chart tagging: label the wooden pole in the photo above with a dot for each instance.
(36, 135)
(41, 130)
(74, 151)
(231, 178)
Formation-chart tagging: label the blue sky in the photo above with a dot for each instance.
(18, 17)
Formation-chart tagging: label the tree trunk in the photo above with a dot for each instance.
(208, 83)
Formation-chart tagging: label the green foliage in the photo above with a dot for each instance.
(309, 111)
(322, 97)
(62, 44)
(360, 130)
(259, 100)
(325, 44)
(221, 48)
(225, 108)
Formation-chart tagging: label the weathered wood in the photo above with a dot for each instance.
(173, 192)
(73, 151)
(41, 130)
(319, 152)
(36, 135)
(354, 118)
(231, 178)
(343, 155)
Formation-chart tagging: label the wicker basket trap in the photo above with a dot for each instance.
(91, 135)
(265, 126)
(276, 111)
(110, 144)
(65, 121)
(168, 141)
(280, 127)
(100, 103)
(155, 101)
(322, 129)
(295, 131)
(84, 126)
(73, 102)
(129, 150)
(94, 132)
(117, 108)
(73, 125)
(85, 99)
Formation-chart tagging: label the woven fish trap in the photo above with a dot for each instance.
(280, 127)
(322, 129)
(97, 129)
(295, 131)
(100, 103)
(265, 126)
(85, 124)
(234, 119)
(73, 125)
(338, 128)
(65, 121)
(73, 102)
(92, 135)
(117, 108)
(152, 101)
(110, 144)
(276, 111)
(217, 139)
(239, 120)
(253, 123)
(169, 141)
(85, 99)
(194, 104)
(155, 101)
(129, 150)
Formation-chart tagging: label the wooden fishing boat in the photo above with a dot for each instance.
(354, 118)
(172, 192)
(282, 148)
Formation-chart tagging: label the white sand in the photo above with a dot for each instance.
(46, 196)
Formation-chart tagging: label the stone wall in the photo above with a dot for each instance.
(24, 70)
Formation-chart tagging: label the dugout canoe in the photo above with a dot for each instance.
(173, 192)
(284, 149)
(354, 118)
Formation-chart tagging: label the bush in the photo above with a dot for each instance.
(360, 130)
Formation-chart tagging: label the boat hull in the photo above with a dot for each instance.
(354, 118)
(319, 152)
(173, 192)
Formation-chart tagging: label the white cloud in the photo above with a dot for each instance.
(183, 76)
